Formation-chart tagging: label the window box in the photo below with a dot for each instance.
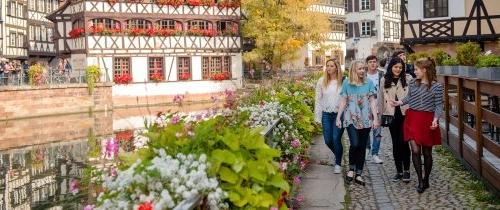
(77, 32)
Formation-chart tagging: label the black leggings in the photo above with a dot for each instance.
(400, 148)
(357, 148)
(416, 151)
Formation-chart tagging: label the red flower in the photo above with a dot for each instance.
(145, 206)
(136, 31)
(125, 135)
(220, 76)
(184, 76)
(122, 79)
(193, 2)
(157, 76)
(76, 32)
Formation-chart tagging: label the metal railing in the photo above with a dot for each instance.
(49, 77)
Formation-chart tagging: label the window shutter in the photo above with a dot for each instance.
(372, 4)
(356, 29)
(349, 5)
(372, 27)
(350, 30)
(356, 5)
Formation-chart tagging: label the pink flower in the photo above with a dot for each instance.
(176, 119)
(303, 165)
(295, 143)
(73, 186)
(296, 180)
(273, 208)
(89, 207)
(113, 171)
(283, 166)
(111, 148)
(300, 198)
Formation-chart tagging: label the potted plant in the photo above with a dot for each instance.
(35, 74)
(450, 66)
(122, 79)
(92, 74)
(467, 56)
(439, 57)
(488, 67)
(76, 32)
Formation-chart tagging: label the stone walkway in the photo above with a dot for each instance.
(322, 189)
(381, 193)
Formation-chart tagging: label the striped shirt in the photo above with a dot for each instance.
(422, 99)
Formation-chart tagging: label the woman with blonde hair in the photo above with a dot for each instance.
(358, 104)
(425, 100)
(326, 109)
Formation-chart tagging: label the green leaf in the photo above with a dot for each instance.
(224, 156)
(231, 140)
(278, 181)
(256, 171)
(228, 175)
(234, 197)
(267, 153)
(265, 200)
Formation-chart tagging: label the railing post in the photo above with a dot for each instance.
(447, 107)
(460, 102)
(479, 126)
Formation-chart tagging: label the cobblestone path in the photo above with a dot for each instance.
(381, 192)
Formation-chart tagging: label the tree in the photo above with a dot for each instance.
(279, 28)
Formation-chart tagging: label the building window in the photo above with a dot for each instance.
(155, 69)
(338, 55)
(227, 27)
(121, 66)
(198, 24)
(435, 8)
(338, 25)
(184, 68)
(12, 39)
(32, 4)
(49, 34)
(41, 7)
(387, 29)
(396, 6)
(138, 23)
(346, 5)
(396, 30)
(366, 29)
(215, 66)
(167, 24)
(346, 26)
(32, 33)
(105, 22)
(365, 4)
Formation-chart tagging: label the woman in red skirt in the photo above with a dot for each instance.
(425, 100)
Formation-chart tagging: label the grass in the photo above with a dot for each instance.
(466, 182)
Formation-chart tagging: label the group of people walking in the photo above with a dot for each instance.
(408, 103)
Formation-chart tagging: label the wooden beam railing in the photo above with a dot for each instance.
(474, 135)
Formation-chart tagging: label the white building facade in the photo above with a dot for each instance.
(373, 27)
(164, 49)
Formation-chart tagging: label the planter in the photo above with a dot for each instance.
(450, 70)
(467, 71)
(440, 69)
(489, 73)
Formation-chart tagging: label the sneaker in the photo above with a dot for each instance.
(337, 169)
(377, 160)
(406, 176)
(397, 177)
(367, 157)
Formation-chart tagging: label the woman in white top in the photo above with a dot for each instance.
(326, 108)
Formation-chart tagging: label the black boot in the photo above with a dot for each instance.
(426, 183)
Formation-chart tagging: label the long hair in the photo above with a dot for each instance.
(388, 77)
(428, 64)
(327, 78)
(353, 75)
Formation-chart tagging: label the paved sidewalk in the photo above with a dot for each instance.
(322, 189)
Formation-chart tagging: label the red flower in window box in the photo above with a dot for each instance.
(193, 2)
(220, 76)
(209, 32)
(96, 29)
(209, 3)
(76, 32)
(168, 32)
(136, 31)
(174, 3)
(184, 76)
(229, 4)
(157, 77)
(195, 32)
(122, 79)
(112, 2)
(152, 31)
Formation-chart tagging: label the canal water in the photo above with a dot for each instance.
(43, 159)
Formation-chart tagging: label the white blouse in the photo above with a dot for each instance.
(327, 99)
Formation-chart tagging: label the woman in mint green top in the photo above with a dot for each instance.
(359, 106)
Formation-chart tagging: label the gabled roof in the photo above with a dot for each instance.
(52, 16)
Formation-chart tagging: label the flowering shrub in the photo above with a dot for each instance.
(162, 182)
(35, 74)
(122, 79)
(76, 32)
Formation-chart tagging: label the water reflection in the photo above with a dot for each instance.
(40, 158)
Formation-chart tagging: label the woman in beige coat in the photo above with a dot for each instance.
(394, 86)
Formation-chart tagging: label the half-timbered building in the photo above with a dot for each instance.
(40, 30)
(13, 26)
(158, 47)
(313, 56)
(431, 24)
(372, 28)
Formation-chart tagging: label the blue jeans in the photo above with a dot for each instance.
(332, 135)
(374, 142)
(358, 139)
